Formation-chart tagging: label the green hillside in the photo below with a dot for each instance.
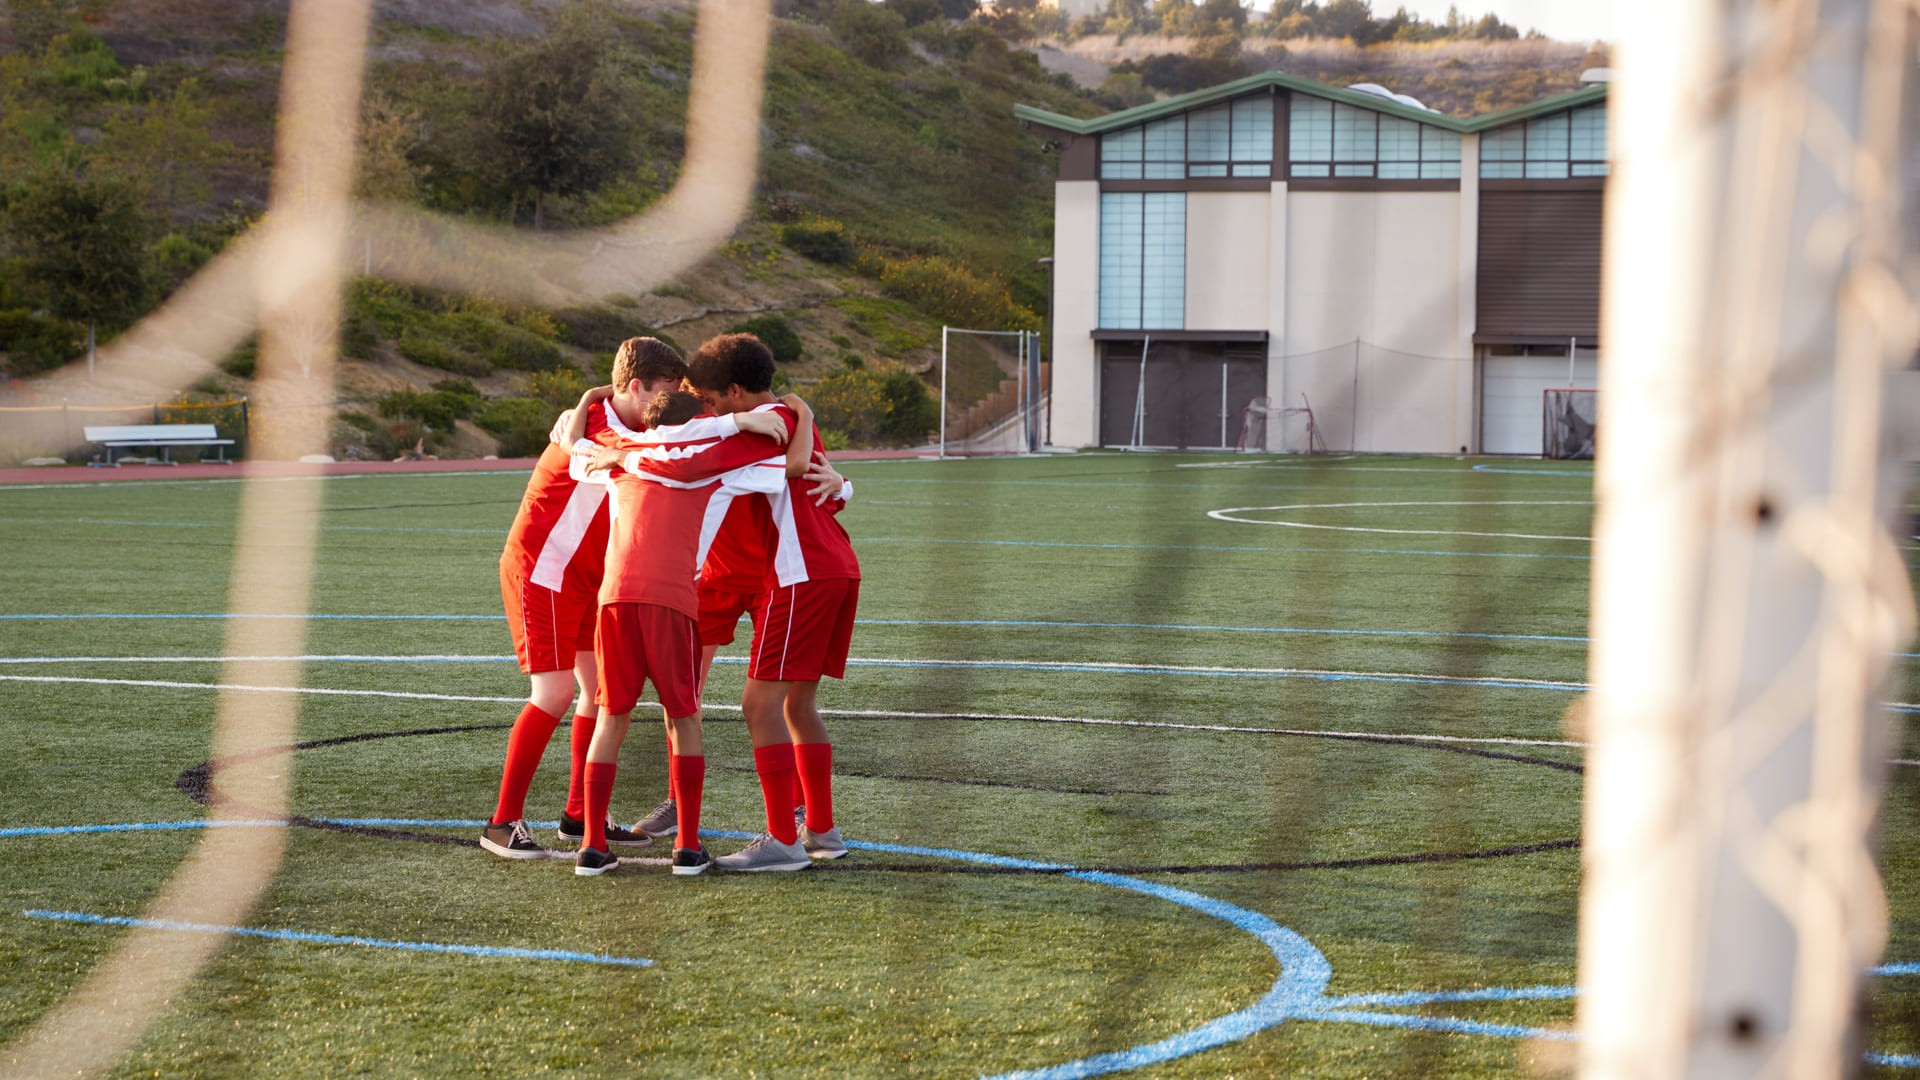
(896, 193)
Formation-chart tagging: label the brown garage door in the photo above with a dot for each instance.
(1195, 392)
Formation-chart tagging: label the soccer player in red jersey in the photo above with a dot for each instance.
(549, 583)
(803, 613)
(671, 490)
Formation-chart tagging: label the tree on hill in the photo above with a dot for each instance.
(83, 242)
(165, 149)
(556, 117)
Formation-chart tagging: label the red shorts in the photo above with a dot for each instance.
(648, 641)
(548, 627)
(720, 611)
(803, 631)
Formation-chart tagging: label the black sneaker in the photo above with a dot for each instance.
(574, 830)
(690, 861)
(592, 862)
(512, 840)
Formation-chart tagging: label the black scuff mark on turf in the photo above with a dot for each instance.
(905, 777)
(197, 784)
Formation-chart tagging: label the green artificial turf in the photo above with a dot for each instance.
(1005, 604)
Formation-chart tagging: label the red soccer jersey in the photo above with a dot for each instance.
(783, 539)
(559, 537)
(808, 544)
(673, 489)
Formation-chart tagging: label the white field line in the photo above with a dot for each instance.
(1087, 721)
(1228, 513)
(1028, 665)
(1228, 729)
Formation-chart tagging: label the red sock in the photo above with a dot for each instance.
(814, 761)
(689, 777)
(525, 743)
(583, 725)
(599, 785)
(775, 766)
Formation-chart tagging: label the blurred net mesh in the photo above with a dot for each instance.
(1570, 418)
(1355, 391)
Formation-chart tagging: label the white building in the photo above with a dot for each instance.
(1417, 280)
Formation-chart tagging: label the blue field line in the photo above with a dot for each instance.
(1298, 993)
(492, 952)
(1441, 1023)
(136, 826)
(1219, 547)
(243, 615)
(1416, 997)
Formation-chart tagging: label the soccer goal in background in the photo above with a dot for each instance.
(991, 396)
(1569, 418)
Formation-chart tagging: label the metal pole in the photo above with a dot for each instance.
(1140, 397)
(1573, 350)
(1223, 404)
(943, 391)
(1746, 593)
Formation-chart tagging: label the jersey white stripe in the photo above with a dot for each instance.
(550, 569)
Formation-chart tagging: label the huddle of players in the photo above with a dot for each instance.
(654, 521)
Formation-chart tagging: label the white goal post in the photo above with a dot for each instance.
(1024, 435)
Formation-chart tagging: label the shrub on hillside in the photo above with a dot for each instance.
(560, 387)
(884, 402)
(241, 362)
(873, 33)
(820, 239)
(422, 347)
(521, 424)
(599, 328)
(954, 294)
(499, 343)
(36, 343)
(911, 411)
(438, 409)
(775, 334)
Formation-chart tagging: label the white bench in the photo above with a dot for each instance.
(163, 437)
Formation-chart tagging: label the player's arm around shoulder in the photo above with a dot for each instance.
(800, 448)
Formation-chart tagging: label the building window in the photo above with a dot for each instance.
(1143, 260)
(1233, 139)
(1556, 147)
(1326, 139)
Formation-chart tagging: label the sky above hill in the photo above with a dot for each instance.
(1565, 20)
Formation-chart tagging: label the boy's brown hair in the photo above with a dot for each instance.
(672, 407)
(732, 359)
(647, 359)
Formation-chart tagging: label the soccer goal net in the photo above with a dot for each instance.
(991, 400)
(1568, 417)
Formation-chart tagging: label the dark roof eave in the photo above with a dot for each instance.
(1182, 102)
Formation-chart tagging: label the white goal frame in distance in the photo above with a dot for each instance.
(1029, 380)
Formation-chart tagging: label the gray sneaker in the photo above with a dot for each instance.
(766, 853)
(823, 845)
(662, 820)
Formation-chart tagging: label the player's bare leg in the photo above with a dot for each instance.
(813, 765)
(664, 819)
(687, 764)
(507, 834)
